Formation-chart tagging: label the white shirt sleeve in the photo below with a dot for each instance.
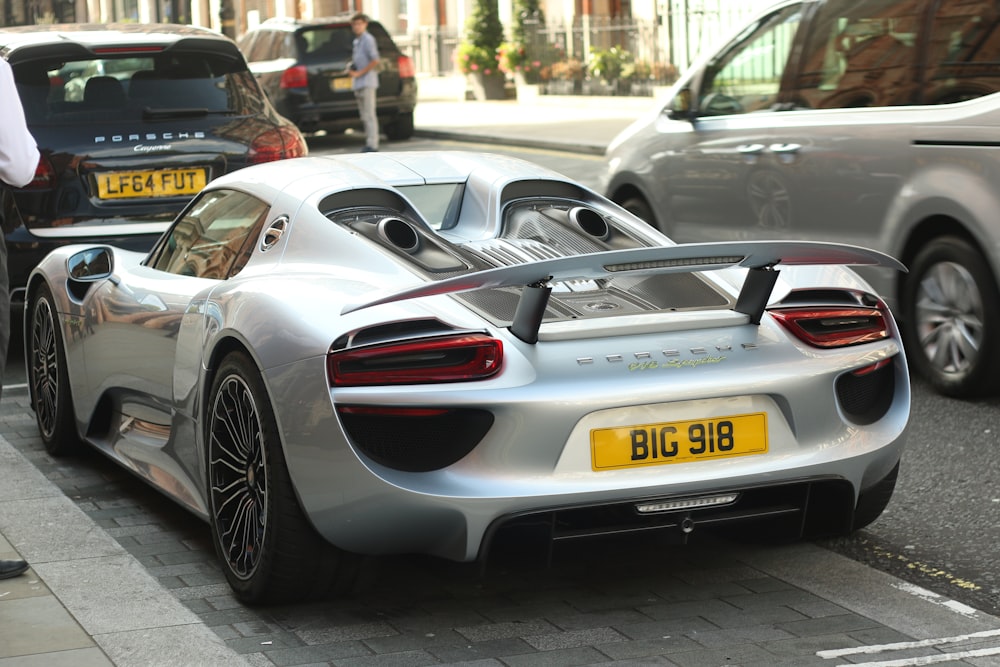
(18, 152)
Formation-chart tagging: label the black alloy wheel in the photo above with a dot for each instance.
(48, 377)
(269, 550)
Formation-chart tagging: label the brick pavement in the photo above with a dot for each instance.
(631, 602)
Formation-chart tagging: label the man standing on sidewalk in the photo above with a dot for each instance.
(364, 60)
(18, 160)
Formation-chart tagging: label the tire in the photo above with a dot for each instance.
(268, 549)
(873, 500)
(640, 208)
(401, 128)
(48, 377)
(950, 320)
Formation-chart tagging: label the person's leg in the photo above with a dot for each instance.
(4, 310)
(369, 117)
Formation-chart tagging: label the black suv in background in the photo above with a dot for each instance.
(131, 121)
(302, 67)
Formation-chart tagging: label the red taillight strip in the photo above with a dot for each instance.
(833, 326)
(459, 358)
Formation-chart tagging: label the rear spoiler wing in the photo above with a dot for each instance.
(761, 257)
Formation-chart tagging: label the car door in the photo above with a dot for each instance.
(710, 152)
(136, 322)
(844, 145)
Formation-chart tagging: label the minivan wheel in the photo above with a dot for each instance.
(948, 330)
(640, 208)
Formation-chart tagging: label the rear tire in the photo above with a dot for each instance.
(269, 550)
(873, 500)
(48, 377)
(401, 128)
(950, 320)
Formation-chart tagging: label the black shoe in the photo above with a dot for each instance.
(12, 568)
(369, 149)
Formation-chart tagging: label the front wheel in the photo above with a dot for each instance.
(269, 550)
(950, 319)
(49, 378)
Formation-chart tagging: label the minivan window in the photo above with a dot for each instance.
(860, 54)
(747, 77)
(964, 52)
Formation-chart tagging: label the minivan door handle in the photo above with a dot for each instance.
(786, 148)
(750, 149)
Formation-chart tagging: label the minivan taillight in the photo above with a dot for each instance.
(458, 358)
(406, 68)
(277, 144)
(44, 177)
(826, 326)
(295, 77)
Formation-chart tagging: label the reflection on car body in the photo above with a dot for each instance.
(425, 352)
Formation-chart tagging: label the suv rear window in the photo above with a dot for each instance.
(133, 88)
(325, 43)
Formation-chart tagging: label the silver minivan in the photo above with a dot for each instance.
(872, 122)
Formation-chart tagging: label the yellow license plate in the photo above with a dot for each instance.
(678, 442)
(341, 83)
(153, 183)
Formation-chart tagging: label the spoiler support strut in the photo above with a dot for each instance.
(756, 291)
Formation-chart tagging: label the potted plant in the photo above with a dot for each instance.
(605, 67)
(567, 77)
(477, 54)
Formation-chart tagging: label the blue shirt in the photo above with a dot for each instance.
(364, 51)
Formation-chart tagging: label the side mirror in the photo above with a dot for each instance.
(90, 265)
(681, 107)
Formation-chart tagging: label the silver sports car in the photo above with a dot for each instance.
(416, 352)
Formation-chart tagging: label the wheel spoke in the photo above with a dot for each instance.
(239, 476)
(949, 314)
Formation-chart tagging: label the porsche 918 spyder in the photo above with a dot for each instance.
(387, 353)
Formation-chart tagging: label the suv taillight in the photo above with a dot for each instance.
(406, 68)
(295, 77)
(277, 144)
(45, 175)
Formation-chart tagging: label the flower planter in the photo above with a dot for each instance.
(486, 86)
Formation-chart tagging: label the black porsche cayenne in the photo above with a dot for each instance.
(131, 121)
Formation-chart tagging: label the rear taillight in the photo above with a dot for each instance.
(44, 177)
(825, 326)
(277, 144)
(458, 358)
(295, 77)
(406, 68)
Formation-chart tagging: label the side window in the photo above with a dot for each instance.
(261, 49)
(747, 76)
(963, 53)
(860, 54)
(212, 239)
